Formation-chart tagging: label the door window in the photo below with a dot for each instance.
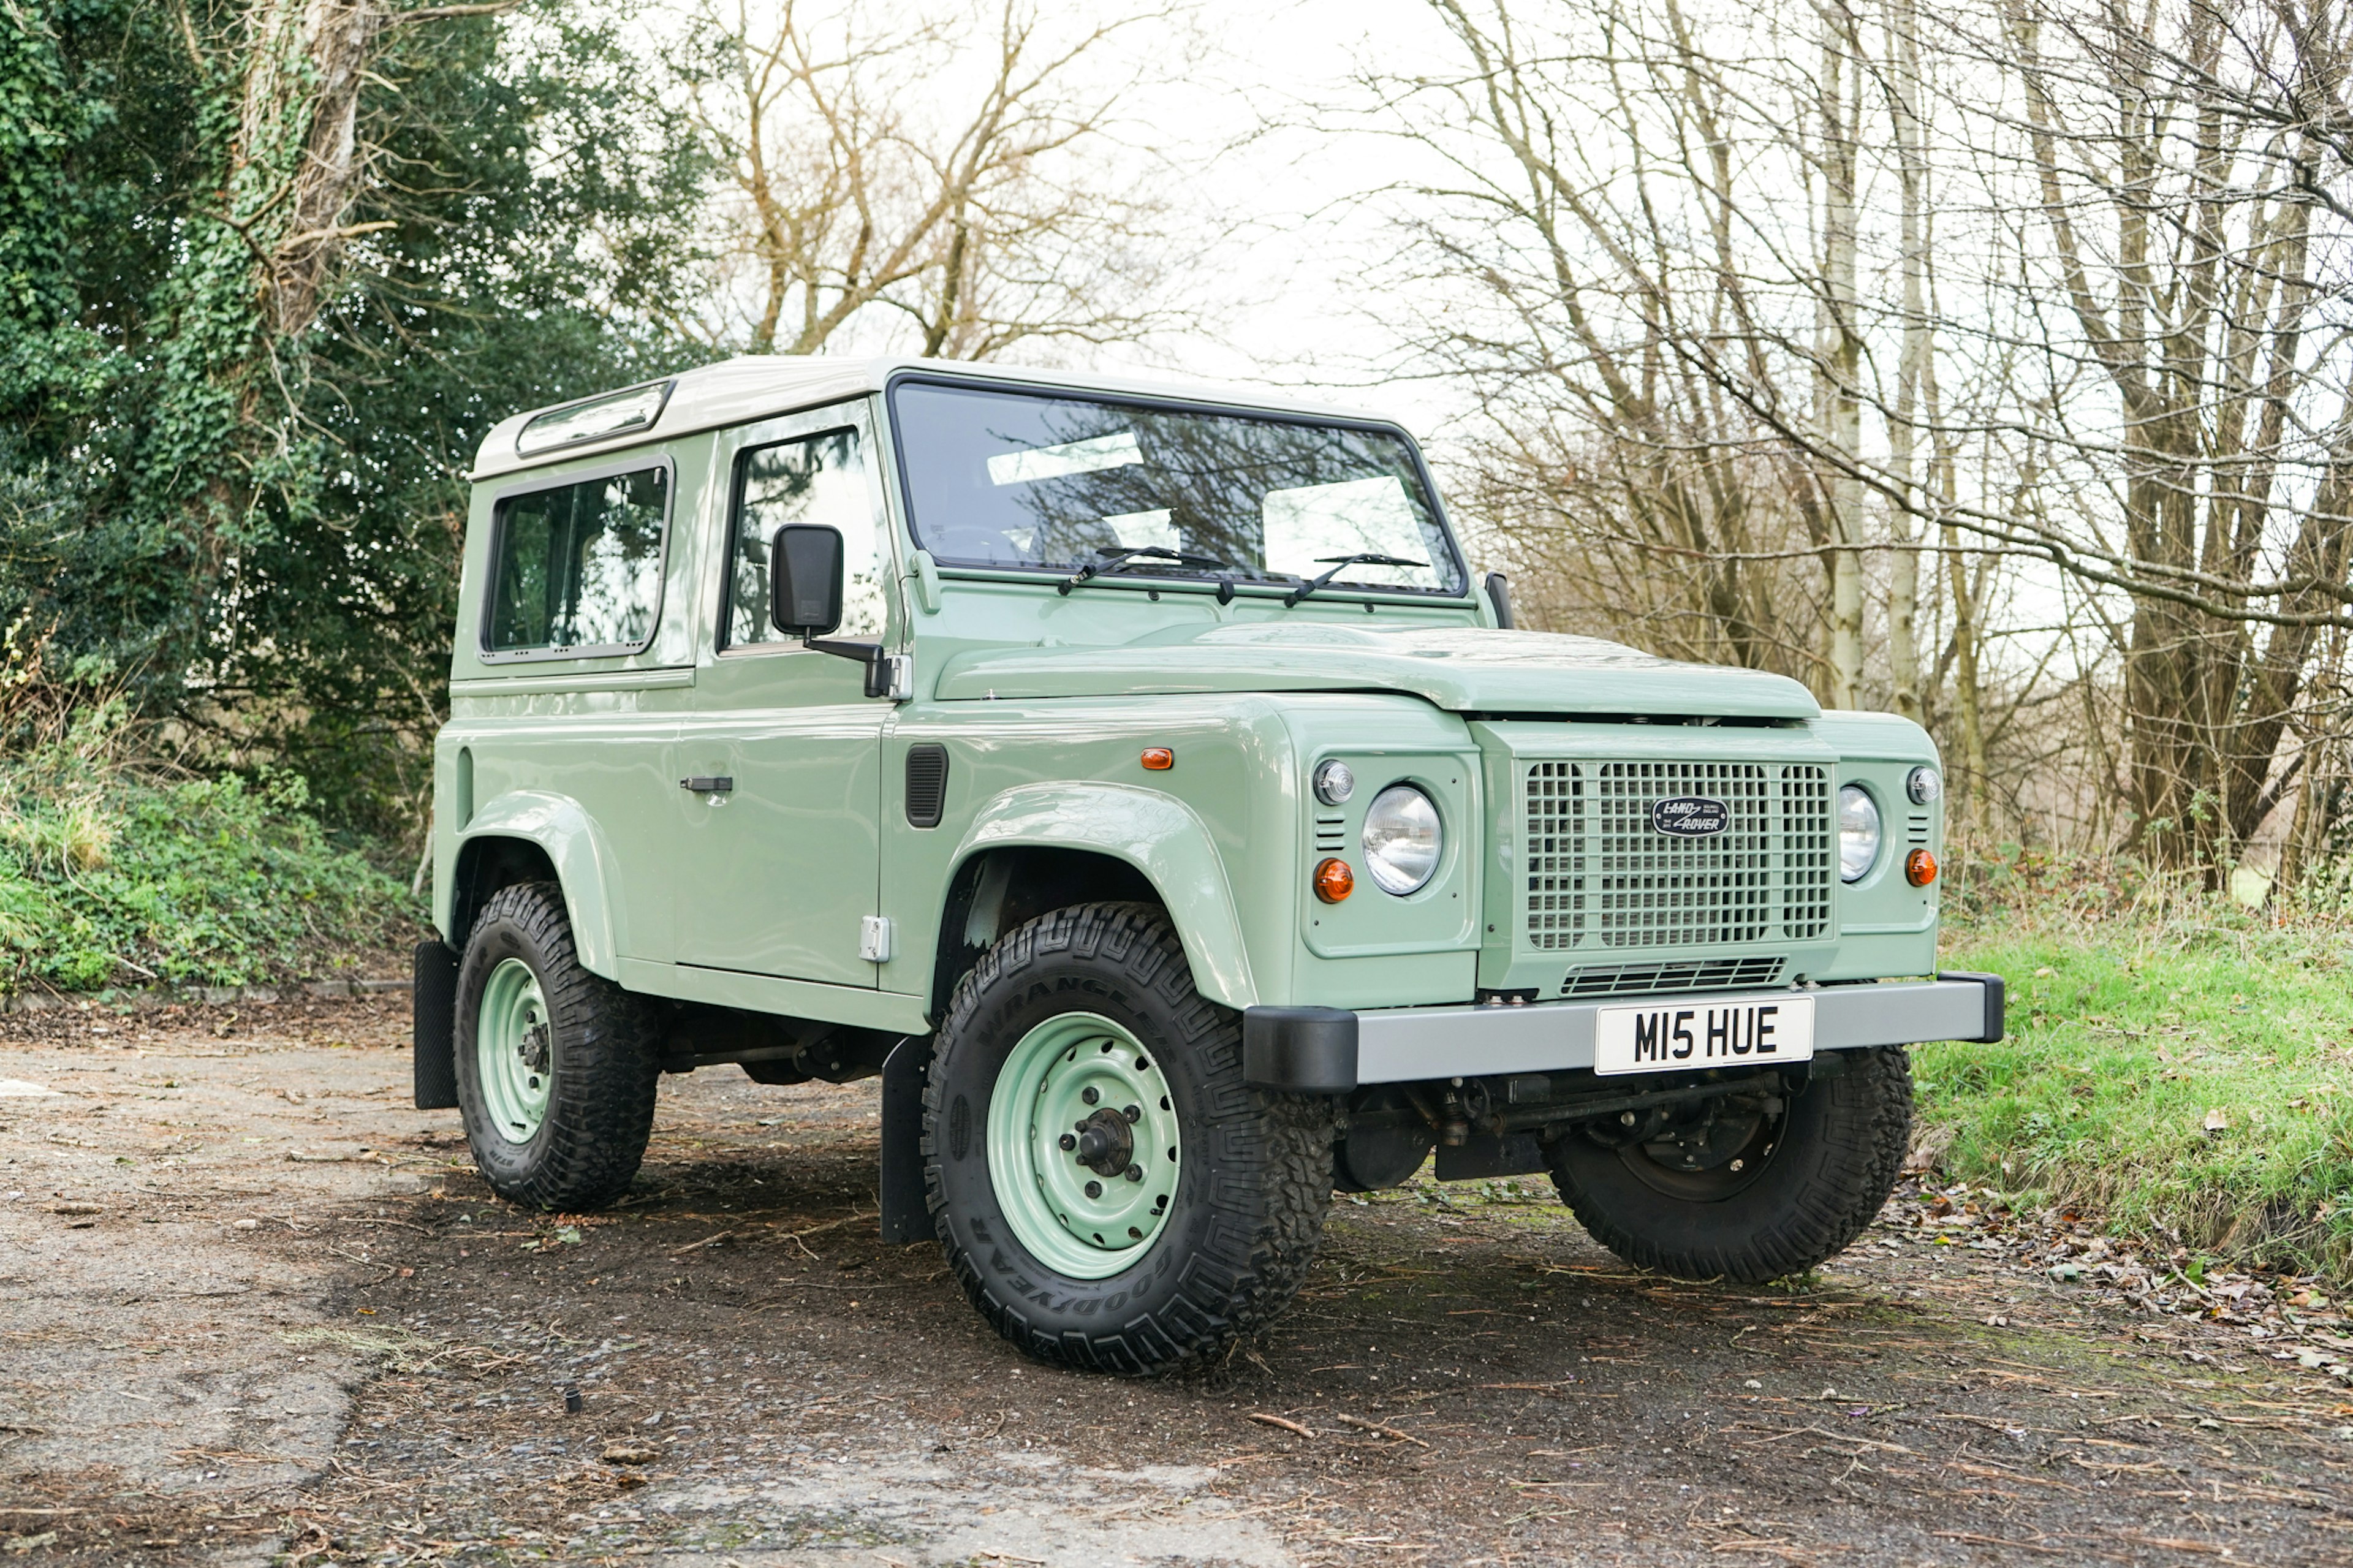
(818, 479)
(577, 568)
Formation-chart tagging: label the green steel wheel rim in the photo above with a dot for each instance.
(1080, 1104)
(515, 1048)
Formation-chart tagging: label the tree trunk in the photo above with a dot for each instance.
(1841, 352)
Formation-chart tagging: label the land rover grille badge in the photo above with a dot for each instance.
(1690, 815)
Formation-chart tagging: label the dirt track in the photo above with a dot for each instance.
(254, 1306)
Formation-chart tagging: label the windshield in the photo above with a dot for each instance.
(1009, 479)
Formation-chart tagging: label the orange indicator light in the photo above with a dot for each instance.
(1159, 759)
(1333, 880)
(1919, 867)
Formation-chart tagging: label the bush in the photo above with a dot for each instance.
(114, 871)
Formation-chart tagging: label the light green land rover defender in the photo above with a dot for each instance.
(1135, 780)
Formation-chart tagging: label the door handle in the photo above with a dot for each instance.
(705, 784)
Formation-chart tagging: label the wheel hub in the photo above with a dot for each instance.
(514, 1051)
(1084, 1147)
(1104, 1144)
(1710, 1153)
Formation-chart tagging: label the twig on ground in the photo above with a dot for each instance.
(1364, 1425)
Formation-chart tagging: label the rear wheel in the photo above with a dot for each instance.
(556, 1066)
(1748, 1187)
(1110, 1192)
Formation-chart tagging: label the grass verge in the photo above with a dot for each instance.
(2187, 1074)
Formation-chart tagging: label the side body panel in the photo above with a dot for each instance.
(528, 733)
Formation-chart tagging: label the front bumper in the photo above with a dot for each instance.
(1329, 1051)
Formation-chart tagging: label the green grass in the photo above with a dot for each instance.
(116, 876)
(2128, 1037)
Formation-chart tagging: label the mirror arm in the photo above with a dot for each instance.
(880, 666)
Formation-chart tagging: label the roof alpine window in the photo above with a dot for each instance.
(613, 414)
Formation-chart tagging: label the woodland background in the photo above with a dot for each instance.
(1988, 363)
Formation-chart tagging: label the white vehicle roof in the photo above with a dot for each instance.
(759, 387)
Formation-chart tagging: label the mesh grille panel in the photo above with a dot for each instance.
(1556, 838)
(1657, 890)
(1809, 852)
(1599, 874)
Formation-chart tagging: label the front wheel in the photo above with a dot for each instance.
(1110, 1193)
(1748, 1187)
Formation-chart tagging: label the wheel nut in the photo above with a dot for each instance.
(1090, 1095)
(1070, 1141)
(1135, 1172)
(1095, 1189)
(1134, 1113)
(1626, 1118)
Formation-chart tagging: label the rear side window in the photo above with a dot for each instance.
(577, 569)
(817, 478)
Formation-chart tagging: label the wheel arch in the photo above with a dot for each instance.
(531, 836)
(1038, 847)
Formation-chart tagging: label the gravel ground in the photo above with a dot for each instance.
(254, 1308)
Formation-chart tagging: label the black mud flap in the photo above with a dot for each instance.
(905, 1216)
(433, 1027)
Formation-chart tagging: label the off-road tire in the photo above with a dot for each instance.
(1250, 1195)
(600, 1107)
(1839, 1149)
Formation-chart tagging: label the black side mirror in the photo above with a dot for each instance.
(1499, 593)
(805, 571)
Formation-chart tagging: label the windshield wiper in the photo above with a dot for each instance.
(1111, 559)
(1340, 563)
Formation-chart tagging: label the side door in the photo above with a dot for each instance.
(779, 760)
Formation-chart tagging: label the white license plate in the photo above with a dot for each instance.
(1735, 1031)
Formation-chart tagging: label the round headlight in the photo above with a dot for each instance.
(1401, 839)
(1333, 783)
(1923, 785)
(1858, 834)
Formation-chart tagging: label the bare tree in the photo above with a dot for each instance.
(2033, 288)
(2182, 173)
(959, 181)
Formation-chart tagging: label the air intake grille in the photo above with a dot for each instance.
(927, 783)
(1555, 834)
(1809, 852)
(1672, 975)
(1657, 890)
(1599, 874)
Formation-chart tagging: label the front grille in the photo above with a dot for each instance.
(1599, 873)
(1657, 890)
(1671, 975)
(1809, 852)
(1556, 855)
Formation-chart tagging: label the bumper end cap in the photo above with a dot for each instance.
(1299, 1051)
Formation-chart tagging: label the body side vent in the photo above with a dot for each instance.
(927, 783)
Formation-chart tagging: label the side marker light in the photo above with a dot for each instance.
(1919, 867)
(1333, 880)
(1159, 759)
